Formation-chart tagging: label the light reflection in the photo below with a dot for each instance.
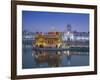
(51, 58)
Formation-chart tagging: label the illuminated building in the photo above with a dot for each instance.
(51, 39)
(81, 36)
(27, 37)
(70, 35)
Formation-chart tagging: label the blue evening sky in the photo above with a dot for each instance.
(46, 21)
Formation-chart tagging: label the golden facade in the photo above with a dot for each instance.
(51, 39)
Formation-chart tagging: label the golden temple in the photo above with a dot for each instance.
(51, 39)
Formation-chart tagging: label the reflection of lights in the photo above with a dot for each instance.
(68, 53)
(32, 54)
(36, 56)
(64, 52)
(59, 52)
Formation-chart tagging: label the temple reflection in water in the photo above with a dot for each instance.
(48, 58)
